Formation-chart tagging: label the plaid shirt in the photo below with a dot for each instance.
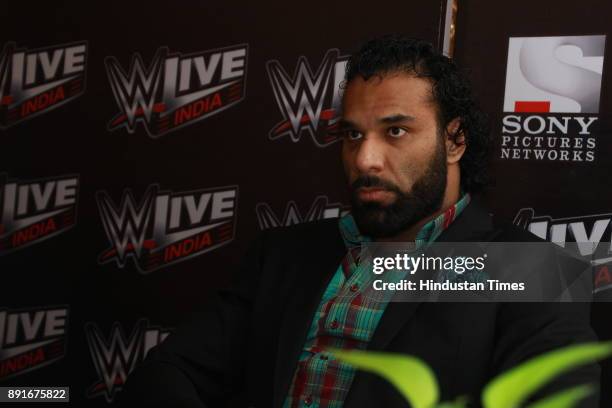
(346, 318)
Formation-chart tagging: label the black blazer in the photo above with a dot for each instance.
(245, 345)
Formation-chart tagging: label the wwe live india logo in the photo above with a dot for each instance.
(32, 211)
(35, 81)
(176, 89)
(590, 234)
(31, 339)
(164, 227)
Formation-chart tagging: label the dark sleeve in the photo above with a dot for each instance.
(201, 364)
(526, 330)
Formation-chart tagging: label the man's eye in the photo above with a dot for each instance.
(352, 134)
(396, 131)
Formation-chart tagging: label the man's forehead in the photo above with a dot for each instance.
(384, 95)
(394, 79)
(383, 119)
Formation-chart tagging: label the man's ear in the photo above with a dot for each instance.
(455, 146)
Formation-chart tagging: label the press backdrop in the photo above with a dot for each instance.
(145, 144)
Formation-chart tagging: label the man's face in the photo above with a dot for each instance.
(392, 151)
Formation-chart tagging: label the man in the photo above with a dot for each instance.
(414, 150)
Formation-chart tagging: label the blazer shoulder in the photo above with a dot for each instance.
(508, 232)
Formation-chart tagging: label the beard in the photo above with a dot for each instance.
(425, 198)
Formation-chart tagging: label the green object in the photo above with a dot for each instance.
(412, 377)
(564, 399)
(513, 387)
(415, 380)
(460, 402)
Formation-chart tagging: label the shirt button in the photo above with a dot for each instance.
(308, 401)
(354, 288)
(334, 324)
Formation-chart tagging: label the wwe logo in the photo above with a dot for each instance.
(116, 358)
(135, 91)
(308, 101)
(320, 209)
(127, 225)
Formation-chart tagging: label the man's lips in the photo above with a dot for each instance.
(373, 194)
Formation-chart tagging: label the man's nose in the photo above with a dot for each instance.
(370, 156)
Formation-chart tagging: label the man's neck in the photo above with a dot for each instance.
(410, 233)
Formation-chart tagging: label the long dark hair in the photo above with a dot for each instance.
(451, 91)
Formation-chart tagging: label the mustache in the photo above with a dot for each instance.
(373, 181)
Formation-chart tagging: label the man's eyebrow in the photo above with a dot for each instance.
(346, 124)
(396, 118)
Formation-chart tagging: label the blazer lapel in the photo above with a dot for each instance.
(318, 261)
(472, 224)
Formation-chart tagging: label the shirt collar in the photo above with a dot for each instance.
(428, 233)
